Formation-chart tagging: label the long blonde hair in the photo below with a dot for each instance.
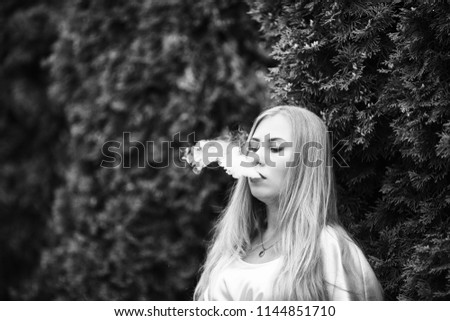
(307, 203)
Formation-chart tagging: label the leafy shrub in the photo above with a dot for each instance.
(378, 73)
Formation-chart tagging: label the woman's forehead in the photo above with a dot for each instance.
(277, 126)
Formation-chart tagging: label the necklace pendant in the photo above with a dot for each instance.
(261, 254)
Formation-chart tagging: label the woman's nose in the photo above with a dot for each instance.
(259, 155)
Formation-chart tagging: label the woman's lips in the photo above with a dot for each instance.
(261, 176)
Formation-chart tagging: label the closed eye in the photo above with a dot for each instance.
(252, 146)
(276, 149)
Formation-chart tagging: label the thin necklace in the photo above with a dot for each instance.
(264, 249)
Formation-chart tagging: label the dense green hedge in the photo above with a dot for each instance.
(379, 74)
(30, 129)
(153, 69)
(79, 75)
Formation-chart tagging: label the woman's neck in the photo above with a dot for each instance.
(272, 221)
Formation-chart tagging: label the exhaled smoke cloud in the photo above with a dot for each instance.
(227, 152)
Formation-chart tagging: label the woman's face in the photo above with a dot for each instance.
(272, 142)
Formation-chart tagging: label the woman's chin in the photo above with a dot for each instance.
(262, 195)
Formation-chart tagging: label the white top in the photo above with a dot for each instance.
(242, 281)
(251, 282)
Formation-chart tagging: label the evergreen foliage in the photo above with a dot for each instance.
(378, 73)
(29, 121)
(151, 69)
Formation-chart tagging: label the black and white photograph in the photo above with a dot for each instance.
(225, 150)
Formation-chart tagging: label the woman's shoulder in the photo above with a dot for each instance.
(346, 267)
(337, 247)
(336, 239)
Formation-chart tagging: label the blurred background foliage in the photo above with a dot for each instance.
(77, 74)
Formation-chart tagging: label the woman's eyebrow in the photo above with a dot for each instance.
(271, 139)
